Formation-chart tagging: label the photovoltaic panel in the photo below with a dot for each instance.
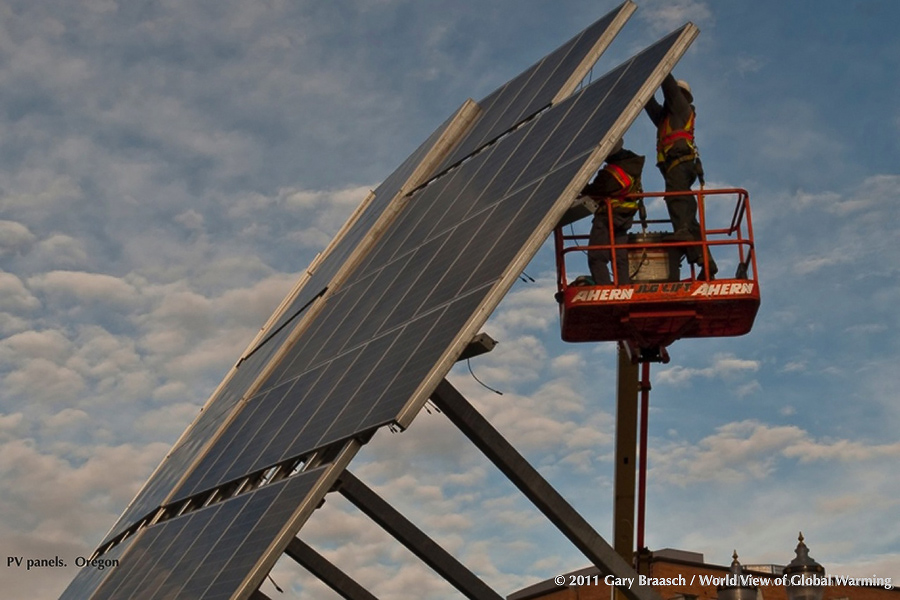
(208, 553)
(89, 578)
(260, 354)
(567, 64)
(159, 489)
(552, 78)
(399, 312)
(379, 320)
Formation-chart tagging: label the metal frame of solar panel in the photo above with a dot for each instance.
(368, 334)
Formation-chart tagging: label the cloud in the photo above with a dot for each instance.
(14, 296)
(10, 425)
(66, 419)
(78, 287)
(840, 450)
(529, 308)
(43, 381)
(723, 367)
(751, 450)
(14, 237)
(36, 194)
(190, 219)
(38, 519)
(664, 17)
(748, 64)
(28, 345)
(62, 251)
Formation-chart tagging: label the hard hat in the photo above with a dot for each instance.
(686, 87)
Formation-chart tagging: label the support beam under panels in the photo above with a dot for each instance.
(537, 489)
(329, 574)
(454, 572)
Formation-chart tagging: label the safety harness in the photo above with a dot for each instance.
(667, 136)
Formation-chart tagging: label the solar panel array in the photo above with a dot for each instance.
(209, 552)
(242, 380)
(260, 354)
(380, 318)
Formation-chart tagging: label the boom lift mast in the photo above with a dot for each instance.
(644, 317)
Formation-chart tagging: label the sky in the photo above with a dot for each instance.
(168, 169)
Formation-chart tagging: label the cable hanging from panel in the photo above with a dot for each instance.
(483, 384)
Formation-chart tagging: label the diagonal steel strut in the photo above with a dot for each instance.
(414, 538)
(329, 574)
(536, 488)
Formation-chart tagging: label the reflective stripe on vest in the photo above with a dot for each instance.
(666, 137)
(629, 186)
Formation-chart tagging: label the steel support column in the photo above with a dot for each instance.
(626, 455)
(414, 539)
(536, 488)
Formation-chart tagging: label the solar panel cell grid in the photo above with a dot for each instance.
(527, 153)
(533, 89)
(160, 486)
(422, 359)
(453, 253)
(210, 552)
(88, 580)
(384, 330)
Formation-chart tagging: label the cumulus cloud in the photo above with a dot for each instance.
(14, 296)
(79, 287)
(62, 251)
(724, 367)
(528, 307)
(753, 450)
(15, 237)
(44, 381)
(190, 219)
(10, 424)
(664, 16)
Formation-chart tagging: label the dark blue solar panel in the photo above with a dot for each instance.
(383, 322)
(534, 89)
(186, 452)
(527, 93)
(89, 578)
(209, 553)
(384, 333)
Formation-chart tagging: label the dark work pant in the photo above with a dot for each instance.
(683, 209)
(598, 259)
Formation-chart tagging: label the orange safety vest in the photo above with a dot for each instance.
(666, 137)
(630, 185)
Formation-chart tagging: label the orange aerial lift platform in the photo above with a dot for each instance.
(660, 305)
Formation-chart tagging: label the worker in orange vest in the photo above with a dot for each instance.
(679, 163)
(619, 177)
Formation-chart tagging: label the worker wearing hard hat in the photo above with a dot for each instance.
(619, 177)
(679, 162)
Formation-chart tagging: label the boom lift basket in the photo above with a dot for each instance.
(659, 306)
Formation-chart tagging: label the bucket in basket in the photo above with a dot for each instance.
(652, 264)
